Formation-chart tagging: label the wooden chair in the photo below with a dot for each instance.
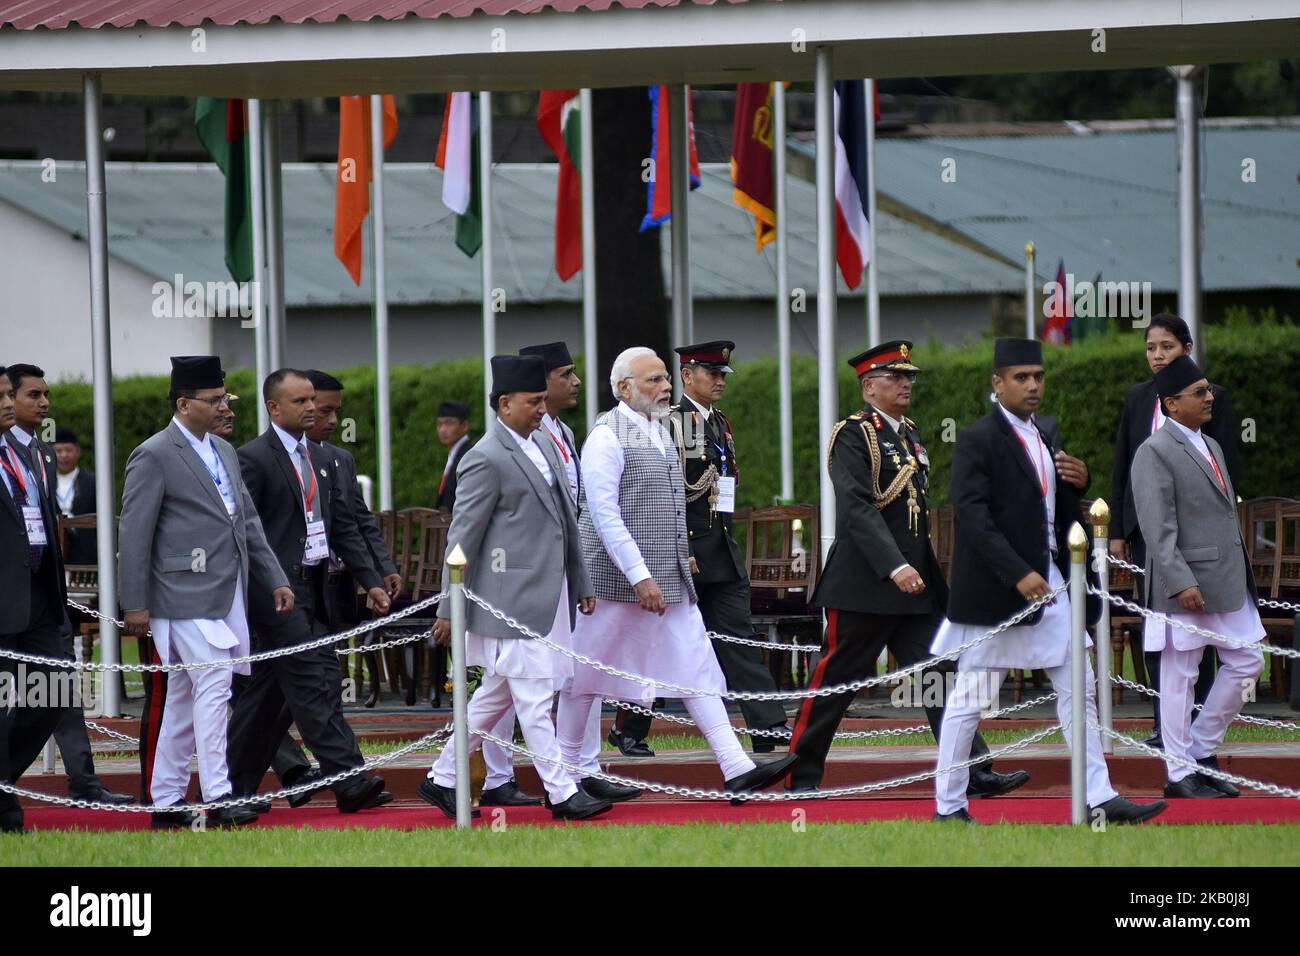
(431, 663)
(1271, 531)
(781, 549)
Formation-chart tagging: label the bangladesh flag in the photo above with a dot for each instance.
(458, 158)
(559, 121)
(222, 128)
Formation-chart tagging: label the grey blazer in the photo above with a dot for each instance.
(519, 536)
(1189, 523)
(171, 508)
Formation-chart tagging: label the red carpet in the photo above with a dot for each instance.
(408, 817)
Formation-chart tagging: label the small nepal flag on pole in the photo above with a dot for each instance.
(852, 231)
(559, 121)
(752, 136)
(352, 178)
(1056, 330)
(458, 158)
(659, 195)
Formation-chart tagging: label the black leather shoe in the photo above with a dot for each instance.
(761, 777)
(101, 794)
(1212, 763)
(507, 795)
(304, 798)
(1192, 786)
(12, 822)
(957, 816)
(807, 792)
(260, 805)
(372, 698)
(1121, 810)
(366, 795)
(232, 816)
(766, 745)
(444, 798)
(629, 746)
(580, 806)
(604, 790)
(1155, 741)
(987, 782)
(177, 816)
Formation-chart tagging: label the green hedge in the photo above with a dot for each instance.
(1259, 363)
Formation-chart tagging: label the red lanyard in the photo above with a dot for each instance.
(1039, 469)
(1155, 418)
(14, 470)
(558, 444)
(309, 496)
(1215, 465)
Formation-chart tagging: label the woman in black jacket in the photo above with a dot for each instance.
(1167, 337)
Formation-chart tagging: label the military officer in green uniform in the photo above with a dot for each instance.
(707, 452)
(882, 585)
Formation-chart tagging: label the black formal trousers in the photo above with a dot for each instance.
(74, 744)
(852, 646)
(1209, 660)
(24, 729)
(307, 682)
(151, 715)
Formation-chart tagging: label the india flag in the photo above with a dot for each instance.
(458, 158)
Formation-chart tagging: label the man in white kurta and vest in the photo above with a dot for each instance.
(515, 523)
(1197, 573)
(190, 542)
(1015, 495)
(499, 787)
(633, 529)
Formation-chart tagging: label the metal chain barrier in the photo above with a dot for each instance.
(851, 686)
(765, 645)
(322, 784)
(109, 732)
(1244, 718)
(1156, 615)
(697, 793)
(785, 734)
(1262, 602)
(1273, 788)
(363, 628)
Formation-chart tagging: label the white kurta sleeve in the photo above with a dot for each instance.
(602, 472)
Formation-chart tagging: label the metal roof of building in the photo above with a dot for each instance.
(1108, 201)
(92, 14)
(166, 218)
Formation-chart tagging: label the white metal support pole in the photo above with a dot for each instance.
(680, 230)
(827, 391)
(873, 275)
(277, 343)
(587, 174)
(383, 415)
(459, 687)
(485, 219)
(1189, 206)
(1078, 657)
(261, 332)
(784, 388)
(1099, 515)
(1031, 319)
(101, 352)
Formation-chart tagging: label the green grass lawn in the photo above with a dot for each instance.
(895, 843)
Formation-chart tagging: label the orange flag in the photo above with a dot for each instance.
(352, 177)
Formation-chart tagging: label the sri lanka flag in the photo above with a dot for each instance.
(852, 231)
(659, 196)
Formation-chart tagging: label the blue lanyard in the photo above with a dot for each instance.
(722, 452)
(215, 474)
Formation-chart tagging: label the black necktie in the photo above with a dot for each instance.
(36, 551)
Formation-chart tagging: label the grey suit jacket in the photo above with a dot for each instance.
(519, 536)
(180, 555)
(1189, 523)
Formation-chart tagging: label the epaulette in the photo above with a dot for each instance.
(858, 415)
(876, 421)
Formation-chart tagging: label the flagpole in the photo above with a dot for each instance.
(1030, 324)
(274, 236)
(587, 174)
(782, 294)
(679, 147)
(485, 218)
(873, 287)
(379, 279)
(261, 338)
(827, 381)
(1189, 206)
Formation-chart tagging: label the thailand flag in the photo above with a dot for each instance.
(852, 231)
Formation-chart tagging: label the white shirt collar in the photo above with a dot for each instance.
(458, 442)
(1194, 436)
(553, 425)
(895, 423)
(290, 443)
(706, 412)
(1029, 427)
(198, 443)
(22, 434)
(519, 440)
(68, 479)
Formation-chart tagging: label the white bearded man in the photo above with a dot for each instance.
(646, 621)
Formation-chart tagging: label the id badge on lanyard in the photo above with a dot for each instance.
(35, 523)
(317, 548)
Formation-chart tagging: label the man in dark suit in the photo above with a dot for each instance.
(31, 411)
(329, 406)
(75, 492)
(882, 585)
(32, 614)
(1015, 495)
(305, 519)
(707, 453)
(453, 432)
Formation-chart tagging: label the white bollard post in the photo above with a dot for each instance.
(1078, 659)
(459, 690)
(1099, 515)
(47, 761)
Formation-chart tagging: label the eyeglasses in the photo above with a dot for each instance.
(1197, 393)
(216, 400)
(895, 377)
